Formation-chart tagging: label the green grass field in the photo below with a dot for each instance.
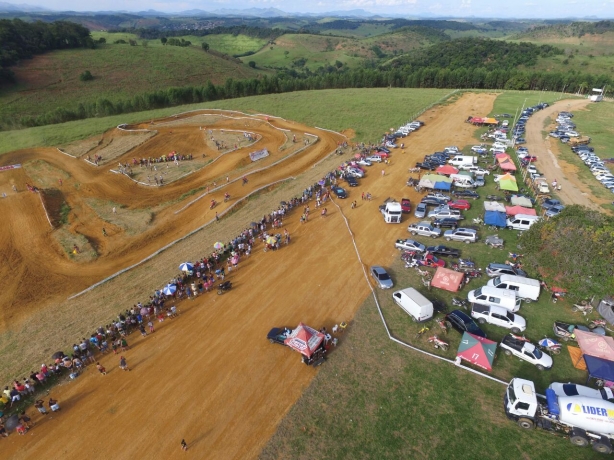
(374, 398)
(354, 109)
(120, 72)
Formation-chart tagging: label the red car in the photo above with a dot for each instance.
(405, 205)
(459, 204)
(429, 260)
(382, 154)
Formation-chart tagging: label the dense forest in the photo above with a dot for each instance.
(475, 53)
(250, 31)
(574, 29)
(22, 40)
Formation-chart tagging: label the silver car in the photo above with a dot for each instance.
(466, 235)
(381, 276)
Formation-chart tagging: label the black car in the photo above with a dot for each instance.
(278, 335)
(463, 323)
(352, 182)
(427, 166)
(583, 148)
(466, 194)
(445, 222)
(443, 251)
(433, 201)
(340, 192)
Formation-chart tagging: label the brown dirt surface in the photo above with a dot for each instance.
(208, 376)
(549, 163)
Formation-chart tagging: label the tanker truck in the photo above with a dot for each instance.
(586, 420)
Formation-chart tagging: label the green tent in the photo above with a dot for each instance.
(508, 184)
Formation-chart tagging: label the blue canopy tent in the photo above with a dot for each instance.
(599, 368)
(498, 219)
(443, 185)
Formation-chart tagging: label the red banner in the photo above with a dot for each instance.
(6, 168)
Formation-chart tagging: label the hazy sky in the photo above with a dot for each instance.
(603, 9)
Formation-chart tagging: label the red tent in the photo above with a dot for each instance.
(507, 165)
(513, 210)
(304, 339)
(477, 350)
(447, 279)
(446, 170)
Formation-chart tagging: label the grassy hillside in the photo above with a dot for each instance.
(364, 111)
(313, 51)
(120, 71)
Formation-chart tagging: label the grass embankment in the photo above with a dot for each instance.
(365, 111)
(376, 399)
(120, 72)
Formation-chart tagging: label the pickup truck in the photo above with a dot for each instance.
(424, 229)
(445, 213)
(527, 351)
(499, 317)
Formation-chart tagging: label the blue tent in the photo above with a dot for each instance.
(495, 218)
(599, 368)
(443, 185)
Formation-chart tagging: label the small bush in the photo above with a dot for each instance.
(86, 76)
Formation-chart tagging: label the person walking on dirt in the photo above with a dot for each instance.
(184, 445)
(104, 232)
(101, 369)
(122, 364)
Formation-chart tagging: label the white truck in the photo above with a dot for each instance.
(499, 317)
(526, 351)
(584, 419)
(414, 304)
(392, 212)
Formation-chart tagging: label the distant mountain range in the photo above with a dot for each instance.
(21, 8)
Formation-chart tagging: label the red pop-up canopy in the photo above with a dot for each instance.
(304, 339)
(513, 210)
(447, 279)
(477, 350)
(446, 170)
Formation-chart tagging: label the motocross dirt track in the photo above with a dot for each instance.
(208, 376)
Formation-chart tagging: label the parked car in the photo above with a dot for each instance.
(424, 229)
(463, 323)
(478, 171)
(340, 192)
(354, 172)
(364, 162)
(466, 194)
(429, 260)
(278, 335)
(374, 159)
(381, 276)
(446, 222)
(555, 210)
(409, 245)
(433, 201)
(459, 204)
(547, 204)
(405, 205)
(437, 196)
(479, 181)
(443, 251)
(444, 212)
(351, 181)
(466, 235)
(427, 166)
(499, 317)
(420, 211)
(503, 269)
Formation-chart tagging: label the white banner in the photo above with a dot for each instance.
(259, 154)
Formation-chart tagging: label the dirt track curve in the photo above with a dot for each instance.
(547, 150)
(31, 252)
(210, 376)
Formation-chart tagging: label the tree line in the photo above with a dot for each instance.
(283, 82)
(22, 40)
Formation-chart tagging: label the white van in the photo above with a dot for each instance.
(415, 304)
(521, 221)
(459, 160)
(492, 296)
(526, 288)
(462, 180)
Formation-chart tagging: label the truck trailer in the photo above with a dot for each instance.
(584, 419)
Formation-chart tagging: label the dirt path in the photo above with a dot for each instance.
(210, 376)
(547, 150)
